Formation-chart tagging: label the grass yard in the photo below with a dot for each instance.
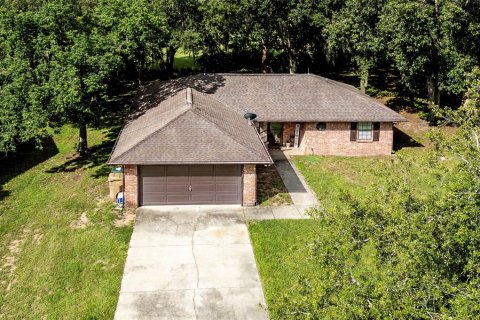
(281, 251)
(185, 60)
(62, 243)
(332, 178)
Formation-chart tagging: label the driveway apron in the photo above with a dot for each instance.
(191, 262)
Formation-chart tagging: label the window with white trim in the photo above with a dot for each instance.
(365, 131)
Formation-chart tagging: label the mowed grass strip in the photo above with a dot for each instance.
(61, 256)
(283, 260)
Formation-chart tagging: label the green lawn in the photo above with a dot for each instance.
(184, 60)
(280, 248)
(61, 255)
(332, 178)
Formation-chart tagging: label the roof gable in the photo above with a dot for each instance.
(204, 131)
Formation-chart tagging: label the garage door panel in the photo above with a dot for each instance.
(203, 197)
(177, 170)
(204, 170)
(155, 187)
(210, 184)
(231, 188)
(180, 188)
(227, 170)
(154, 179)
(204, 187)
(178, 180)
(227, 179)
(200, 179)
(226, 198)
(159, 197)
(177, 198)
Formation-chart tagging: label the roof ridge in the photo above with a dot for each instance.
(151, 134)
(231, 136)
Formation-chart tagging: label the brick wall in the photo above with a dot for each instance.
(288, 133)
(131, 186)
(336, 140)
(249, 175)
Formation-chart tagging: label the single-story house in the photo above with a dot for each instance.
(198, 139)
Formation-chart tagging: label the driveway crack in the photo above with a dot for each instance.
(196, 267)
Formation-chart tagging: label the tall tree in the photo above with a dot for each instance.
(138, 28)
(23, 113)
(183, 21)
(432, 42)
(354, 31)
(299, 24)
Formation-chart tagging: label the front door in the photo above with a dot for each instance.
(275, 131)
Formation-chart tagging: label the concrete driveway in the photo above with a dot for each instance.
(191, 262)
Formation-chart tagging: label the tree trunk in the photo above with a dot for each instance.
(292, 62)
(264, 65)
(82, 146)
(432, 89)
(433, 96)
(139, 72)
(170, 60)
(364, 79)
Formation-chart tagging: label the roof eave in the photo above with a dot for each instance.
(153, 163)
(260, 119)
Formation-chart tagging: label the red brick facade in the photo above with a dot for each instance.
(288, 134)
(249, 176)
(335, 140)
(131, 186)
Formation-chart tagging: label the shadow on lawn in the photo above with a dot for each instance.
(26, 157)
(403, 140)
(96, 158)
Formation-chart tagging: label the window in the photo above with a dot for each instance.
(365, 131)
(321, 126)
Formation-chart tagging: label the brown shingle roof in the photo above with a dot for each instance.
(174, 131)
(281, 97)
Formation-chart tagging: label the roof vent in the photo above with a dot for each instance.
(189, 96)
(250, 117)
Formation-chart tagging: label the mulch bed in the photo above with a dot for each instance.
(270, 187)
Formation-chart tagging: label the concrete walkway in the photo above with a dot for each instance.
(191, 262)
(298, 189)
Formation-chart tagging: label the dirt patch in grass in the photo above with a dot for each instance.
(270, 187)
(81, 223)
(125, 218)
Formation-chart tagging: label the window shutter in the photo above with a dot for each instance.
(353, 131)
(376, 131)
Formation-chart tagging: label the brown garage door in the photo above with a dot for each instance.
(188, 184)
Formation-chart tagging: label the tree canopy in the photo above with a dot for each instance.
(60, 59)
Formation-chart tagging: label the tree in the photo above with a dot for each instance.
(138, 28)
(24, 115)
(427, 41)
(183, 21)
(354, 31)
